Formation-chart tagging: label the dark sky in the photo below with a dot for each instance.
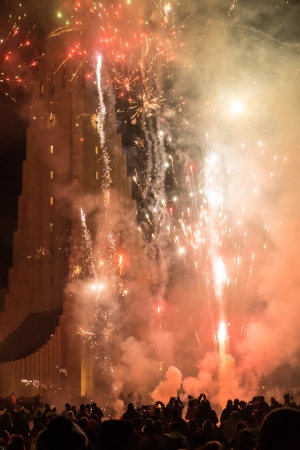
(13, 114)
(12, 152)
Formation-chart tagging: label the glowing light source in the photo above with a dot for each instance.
(236, 107)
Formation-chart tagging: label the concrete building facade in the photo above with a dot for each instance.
(63, 166)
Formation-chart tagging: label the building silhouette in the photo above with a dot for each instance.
(63, 171)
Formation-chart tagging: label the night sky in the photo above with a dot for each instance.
(12, 152)
(13, 114)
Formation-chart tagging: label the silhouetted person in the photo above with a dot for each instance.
(166, 419)
(89, 431)
(164, 439)
(205, 412)
(62, 433)
(82, 413)
(21, 423)
(183, 426)
(149, 440)
(66, 410)
(210, 432)
(236, 407)
(118, 435)
(280, 430)
(238, 427)
(97, 411)
(178, 406)
(274, 404)
(131, 413)
(16, 442)
(192, 407)
(179, 440)
(44, 414)
(225, 414)
(244, 440)
(192, 424)
(227, 427)
(258, 413)
(138, 425)
(252, 426)
(286, 400)
(197, 439)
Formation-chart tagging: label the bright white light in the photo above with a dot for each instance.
(236, 107)
(222, 333)
(220, 276)
(181, 251)
(212, 160)
(97, 287)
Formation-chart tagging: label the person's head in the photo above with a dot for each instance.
(280, 430)
(174, 426)
(39, 412)
(83, 423)
(130, 407)
(212, 445)
(244, 440)
(197, 439)
(118, 435)
(138, 423)
(261, 398)
(193, 426)
(207, 425)
(158, 426)
(149, 429)
(68, 406)
(273, 401)
(176, 402)
(17, 442)
(236, 402)
(71, 415)
(235, 416)
(239, 426)
(94, 417)
(47, 407)
(62, 434)
(82, 408)
(251, 422)
(242, 404)
(229, 403)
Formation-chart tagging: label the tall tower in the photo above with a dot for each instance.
(63, 171)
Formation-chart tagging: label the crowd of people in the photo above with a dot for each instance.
(27, 425)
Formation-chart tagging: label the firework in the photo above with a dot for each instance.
(146, 103)
(139, 143)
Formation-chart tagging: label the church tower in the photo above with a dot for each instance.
(63, 171)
